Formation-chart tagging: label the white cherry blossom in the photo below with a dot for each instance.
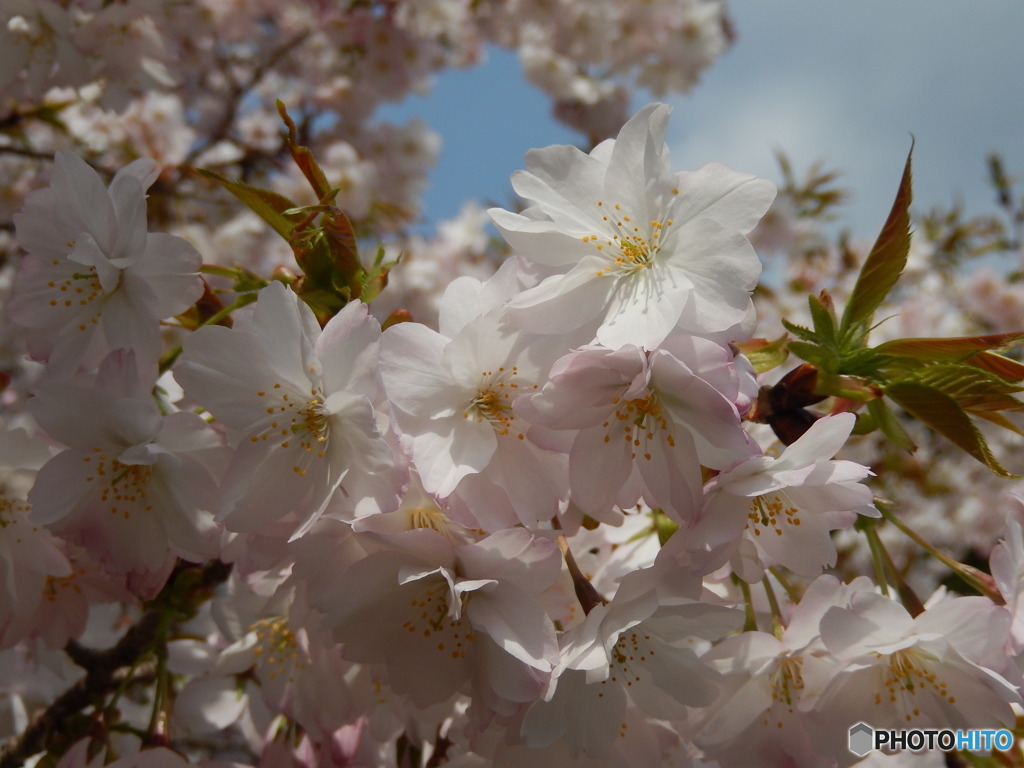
(924, 671)
(135, 488)
(640, 424)
(453, 397)
(781, 510)
(95, 280)
(299, 405)
(634, 250)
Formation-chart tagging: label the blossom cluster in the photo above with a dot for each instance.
(549, 529)
(195, 84)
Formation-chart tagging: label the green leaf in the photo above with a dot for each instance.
(269, 206)
(941, 412)
(812, 353)
(889, 423)
(765, 355)
(886, 261)
(824, 318)
(853, 388)
(799, 331)
(862, 361)
(973, 389)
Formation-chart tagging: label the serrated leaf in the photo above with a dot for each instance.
(862, 361)
(948, 350)
(997, 418)
(269, 206)
(1003, 367)
(799, 331)
(972, 388)
(889, 423)
(764, 355)
(938, 410)
(824, 319)
(812, 353)
(886, 261)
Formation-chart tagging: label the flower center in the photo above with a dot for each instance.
(11, 510)
(627, 246)
(493, 400)
(277, 651)
(299, 423)
(641, 419)
(122, 487)
(627, 657)
(432, 619)
(770, 512)
(908, 673)
(786, 682)
(429, 517)
(78, 289)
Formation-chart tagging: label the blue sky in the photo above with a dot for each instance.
(845, 83)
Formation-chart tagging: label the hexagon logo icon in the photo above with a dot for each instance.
(862, 739)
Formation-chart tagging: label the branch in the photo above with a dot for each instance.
(105, 670)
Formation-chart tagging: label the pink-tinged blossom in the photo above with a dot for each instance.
(634, 250)
(36, 38)
(1007, 564)
(640, 424)
(300, 406)
(770, 685)
(452, 398)
(134, 488)
(928, 671)
(770, 510)
(444, 619)
(29, 557)
(634, 652)
(95, 280)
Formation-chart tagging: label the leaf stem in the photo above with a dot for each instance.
(979, 580)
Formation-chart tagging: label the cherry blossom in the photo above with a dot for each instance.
(786, 507)
(633, 249)
(929, 670)
(95, 280)
(453, 400)
(471, 610)
(640, 424)
(133, 487)
(543, 517)
(299, 407)
(631, 652)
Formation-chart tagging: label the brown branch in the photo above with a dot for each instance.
(105, 670)
(237, 91)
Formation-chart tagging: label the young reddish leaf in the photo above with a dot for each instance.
(972, 388)
(1003, 367)
(941, 412)
(948, 350)
(885, 262)
(303, 158)
(999, 420)
(269, 206)
(764, 355)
